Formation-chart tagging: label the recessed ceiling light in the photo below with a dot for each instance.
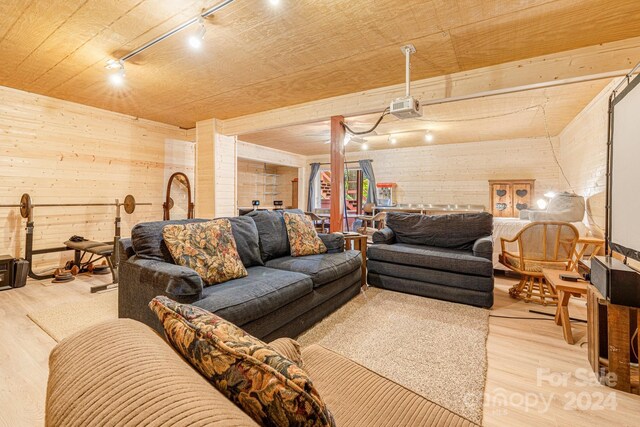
(393, 140)
(195, 40)
(365, 146)
(428, 136)
(274, 2)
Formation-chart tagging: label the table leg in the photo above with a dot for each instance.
(363, 251)
(564, 316)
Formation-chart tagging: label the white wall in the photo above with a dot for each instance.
(459, 173)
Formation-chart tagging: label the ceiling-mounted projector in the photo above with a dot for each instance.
(406, 107)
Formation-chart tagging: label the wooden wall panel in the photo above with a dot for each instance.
(459, 173)
(61, 152)
(250, 181)
(225, 176)
(205, 169)
(583, 150)
(286, 174)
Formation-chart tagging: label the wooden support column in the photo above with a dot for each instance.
(337, 175)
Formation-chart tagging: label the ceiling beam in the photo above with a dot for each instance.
(590, 63)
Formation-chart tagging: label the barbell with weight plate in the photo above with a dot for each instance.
(26, 206)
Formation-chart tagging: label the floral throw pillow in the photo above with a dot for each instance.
(270, 388)
(302, 234)
(206, 247)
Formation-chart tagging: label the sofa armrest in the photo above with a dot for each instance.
(125, 250)
(483, 247)
(384, 236)
(334, 242)
(120, 372)
(166, 279)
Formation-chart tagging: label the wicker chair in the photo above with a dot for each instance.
(547, 244)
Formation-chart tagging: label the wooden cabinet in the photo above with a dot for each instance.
(510, 196)
(611, 334)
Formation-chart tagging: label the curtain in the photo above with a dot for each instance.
(315, 167)
(367, 171)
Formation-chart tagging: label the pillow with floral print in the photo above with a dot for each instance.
(303, 237)
(206, 247)
(267, 386)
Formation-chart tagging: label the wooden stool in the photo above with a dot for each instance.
(566, 289)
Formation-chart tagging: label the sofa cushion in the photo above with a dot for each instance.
(302, 235)
(437, 277)
(208, 247)
(457, 231)
(247, 240)
(261, 292)
(147, 241)
(323, 268)
(270, 388)
(456, 260)
(359, 397)
(274, 241)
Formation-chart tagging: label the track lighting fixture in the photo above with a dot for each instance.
(195, 40)
(116, 78)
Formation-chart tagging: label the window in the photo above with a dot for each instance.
(356, 188)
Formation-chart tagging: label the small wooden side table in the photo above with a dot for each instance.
(358, 242)
(565, 290)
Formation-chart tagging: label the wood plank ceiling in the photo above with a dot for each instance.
(258, 57)
(503, 117)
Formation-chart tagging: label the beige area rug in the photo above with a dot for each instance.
(435, 348)
(66, 319)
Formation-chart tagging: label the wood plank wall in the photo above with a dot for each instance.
(295, 162)
(286, 174)
(61, 152)
(459, 173)
(225, 176)
(583, 151)
(250, 183)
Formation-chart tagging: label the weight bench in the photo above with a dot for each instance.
(100, 250)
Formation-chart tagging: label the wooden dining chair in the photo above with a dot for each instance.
(546, 244)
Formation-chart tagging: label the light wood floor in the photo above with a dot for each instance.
(516, 350)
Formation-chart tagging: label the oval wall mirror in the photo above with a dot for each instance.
(178, 203)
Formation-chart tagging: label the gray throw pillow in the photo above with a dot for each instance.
(274, 242)
(247, 239)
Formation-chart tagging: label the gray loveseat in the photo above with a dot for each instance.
(281, 296)
(446, 257)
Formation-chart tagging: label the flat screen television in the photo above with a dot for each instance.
(623, 177)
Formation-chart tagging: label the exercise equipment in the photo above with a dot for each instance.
(27, 208)
(183, 180)
(13, 272)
